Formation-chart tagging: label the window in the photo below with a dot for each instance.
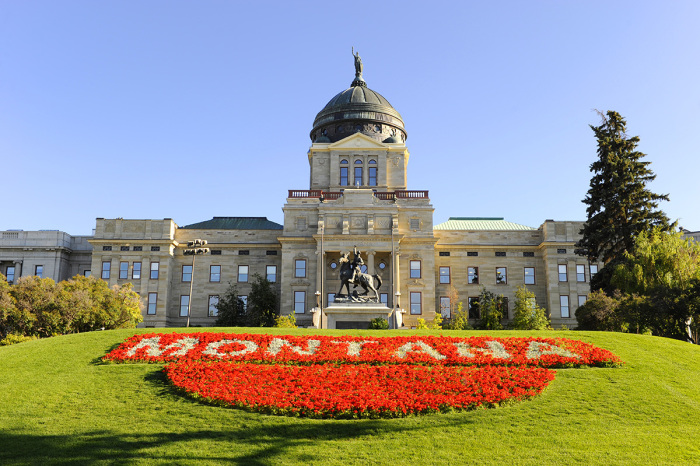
(271, 253)
(215, 252)
(500, 254)
(331, 299)
(564, 304)
(473, 275)
(529, 275)
(593, 269)
(472, 254)
(87, 273)
(186, 273)
(580, 273)
(300, 268)
(343, 173)
(414, 224)
(155, 248)
(384, 298)
(152, 303)
(444, 275)
(561, 251)
(184, 305)
(106, 268)
(271, 273)
(445, 307)
(416, 303)
(415, 269)
(581, 300)
(214, 273)
(502, 305)
(136, 271)
(372, 173)
(123, 270)
(357, 181)
(138, 248)
(528, 254)
(562, 273)
(299, 302)
(10, 274)
(382, 265)
(124, 248)
(474, 312)
(244, 252)
(155, 266)
(106, 248)
(39, 271)
(501, 276)
(444, 253)
(242, 273)
(213, 302)
(245, 302)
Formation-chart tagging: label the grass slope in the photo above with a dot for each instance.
(58, 405)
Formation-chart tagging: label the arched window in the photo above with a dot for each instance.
(358, 173)
(372, 175)
(343, 172)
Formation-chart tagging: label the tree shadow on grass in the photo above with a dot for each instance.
(245, 445)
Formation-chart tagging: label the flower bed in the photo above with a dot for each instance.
(344, 376)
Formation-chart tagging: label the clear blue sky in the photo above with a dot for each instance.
(190, 110)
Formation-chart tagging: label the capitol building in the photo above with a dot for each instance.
(359, 195)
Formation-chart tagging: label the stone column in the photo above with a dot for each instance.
(18, 269)
(370, 262)
(397, 277)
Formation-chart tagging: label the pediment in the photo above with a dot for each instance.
(357, 141)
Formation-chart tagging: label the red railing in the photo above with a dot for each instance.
(331, 196)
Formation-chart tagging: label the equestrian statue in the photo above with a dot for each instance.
(351, 273)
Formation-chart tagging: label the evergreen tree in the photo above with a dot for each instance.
(263, 303)
(527, 315)
(619, 204)
(231, 309)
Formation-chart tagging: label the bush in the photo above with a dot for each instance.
(13, 338)
(289, 321)
(460, 321)
(436, 324)
(491, 307)
(527, 314)
(379, 323)
(599, 312)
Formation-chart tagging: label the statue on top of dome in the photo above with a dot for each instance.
(358, 63)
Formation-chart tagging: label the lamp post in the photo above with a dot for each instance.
(194, 249)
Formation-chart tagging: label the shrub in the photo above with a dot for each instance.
(289, 321)
(460, 321)
(379, 323)
(490, 306)
(527, 314)
(599, 312)
(13, 338)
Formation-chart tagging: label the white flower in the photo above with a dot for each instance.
(277, 344)
(538, 349)
(213, 348)
(495, 349)
(422, 348)
(154, 349)
(354, 347)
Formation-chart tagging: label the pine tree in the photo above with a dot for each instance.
(619, 204)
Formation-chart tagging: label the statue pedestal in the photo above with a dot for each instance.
(355, 315)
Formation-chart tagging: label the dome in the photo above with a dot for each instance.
(358, 109)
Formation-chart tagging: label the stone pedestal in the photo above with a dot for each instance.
(355, 315)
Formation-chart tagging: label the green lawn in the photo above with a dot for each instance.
(58, 404)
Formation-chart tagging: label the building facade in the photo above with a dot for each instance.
(358, 196)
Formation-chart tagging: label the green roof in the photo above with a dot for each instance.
(235, 223)
(480, 223)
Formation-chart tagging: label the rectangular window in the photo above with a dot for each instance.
(528, 254)
(501, 276)
(580, 273)
(445, 307)
(593, 269)
(416, 303)
(123, 270)
(299, 302)
(384, 298)
(138, 248)
(474, 312)
(415, 269)
(215, 252)
(87, 273)
(152, 303)
(214, 273)
(271, 273)
(155, 267)
(10, 274)
(444, 275)
(213, 302)
(184, 305)
(500, 254)
(331, 299)
(472, 253)
(529, 275)
(106, 268)
(581, 300)
(244, 252)
(564, 304)
(358, 176)
(561, 251)
(155, 248)
(473, 275)
(444, 253)
(300, 268)
(242, 274)
(373, 176)
(39, 271)
(106, 248)
(186, 273)
(343, 176)
(244, 298)
(562, 273)
(136, 271)
(271, 253)
(502, 305)
(124, 248)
